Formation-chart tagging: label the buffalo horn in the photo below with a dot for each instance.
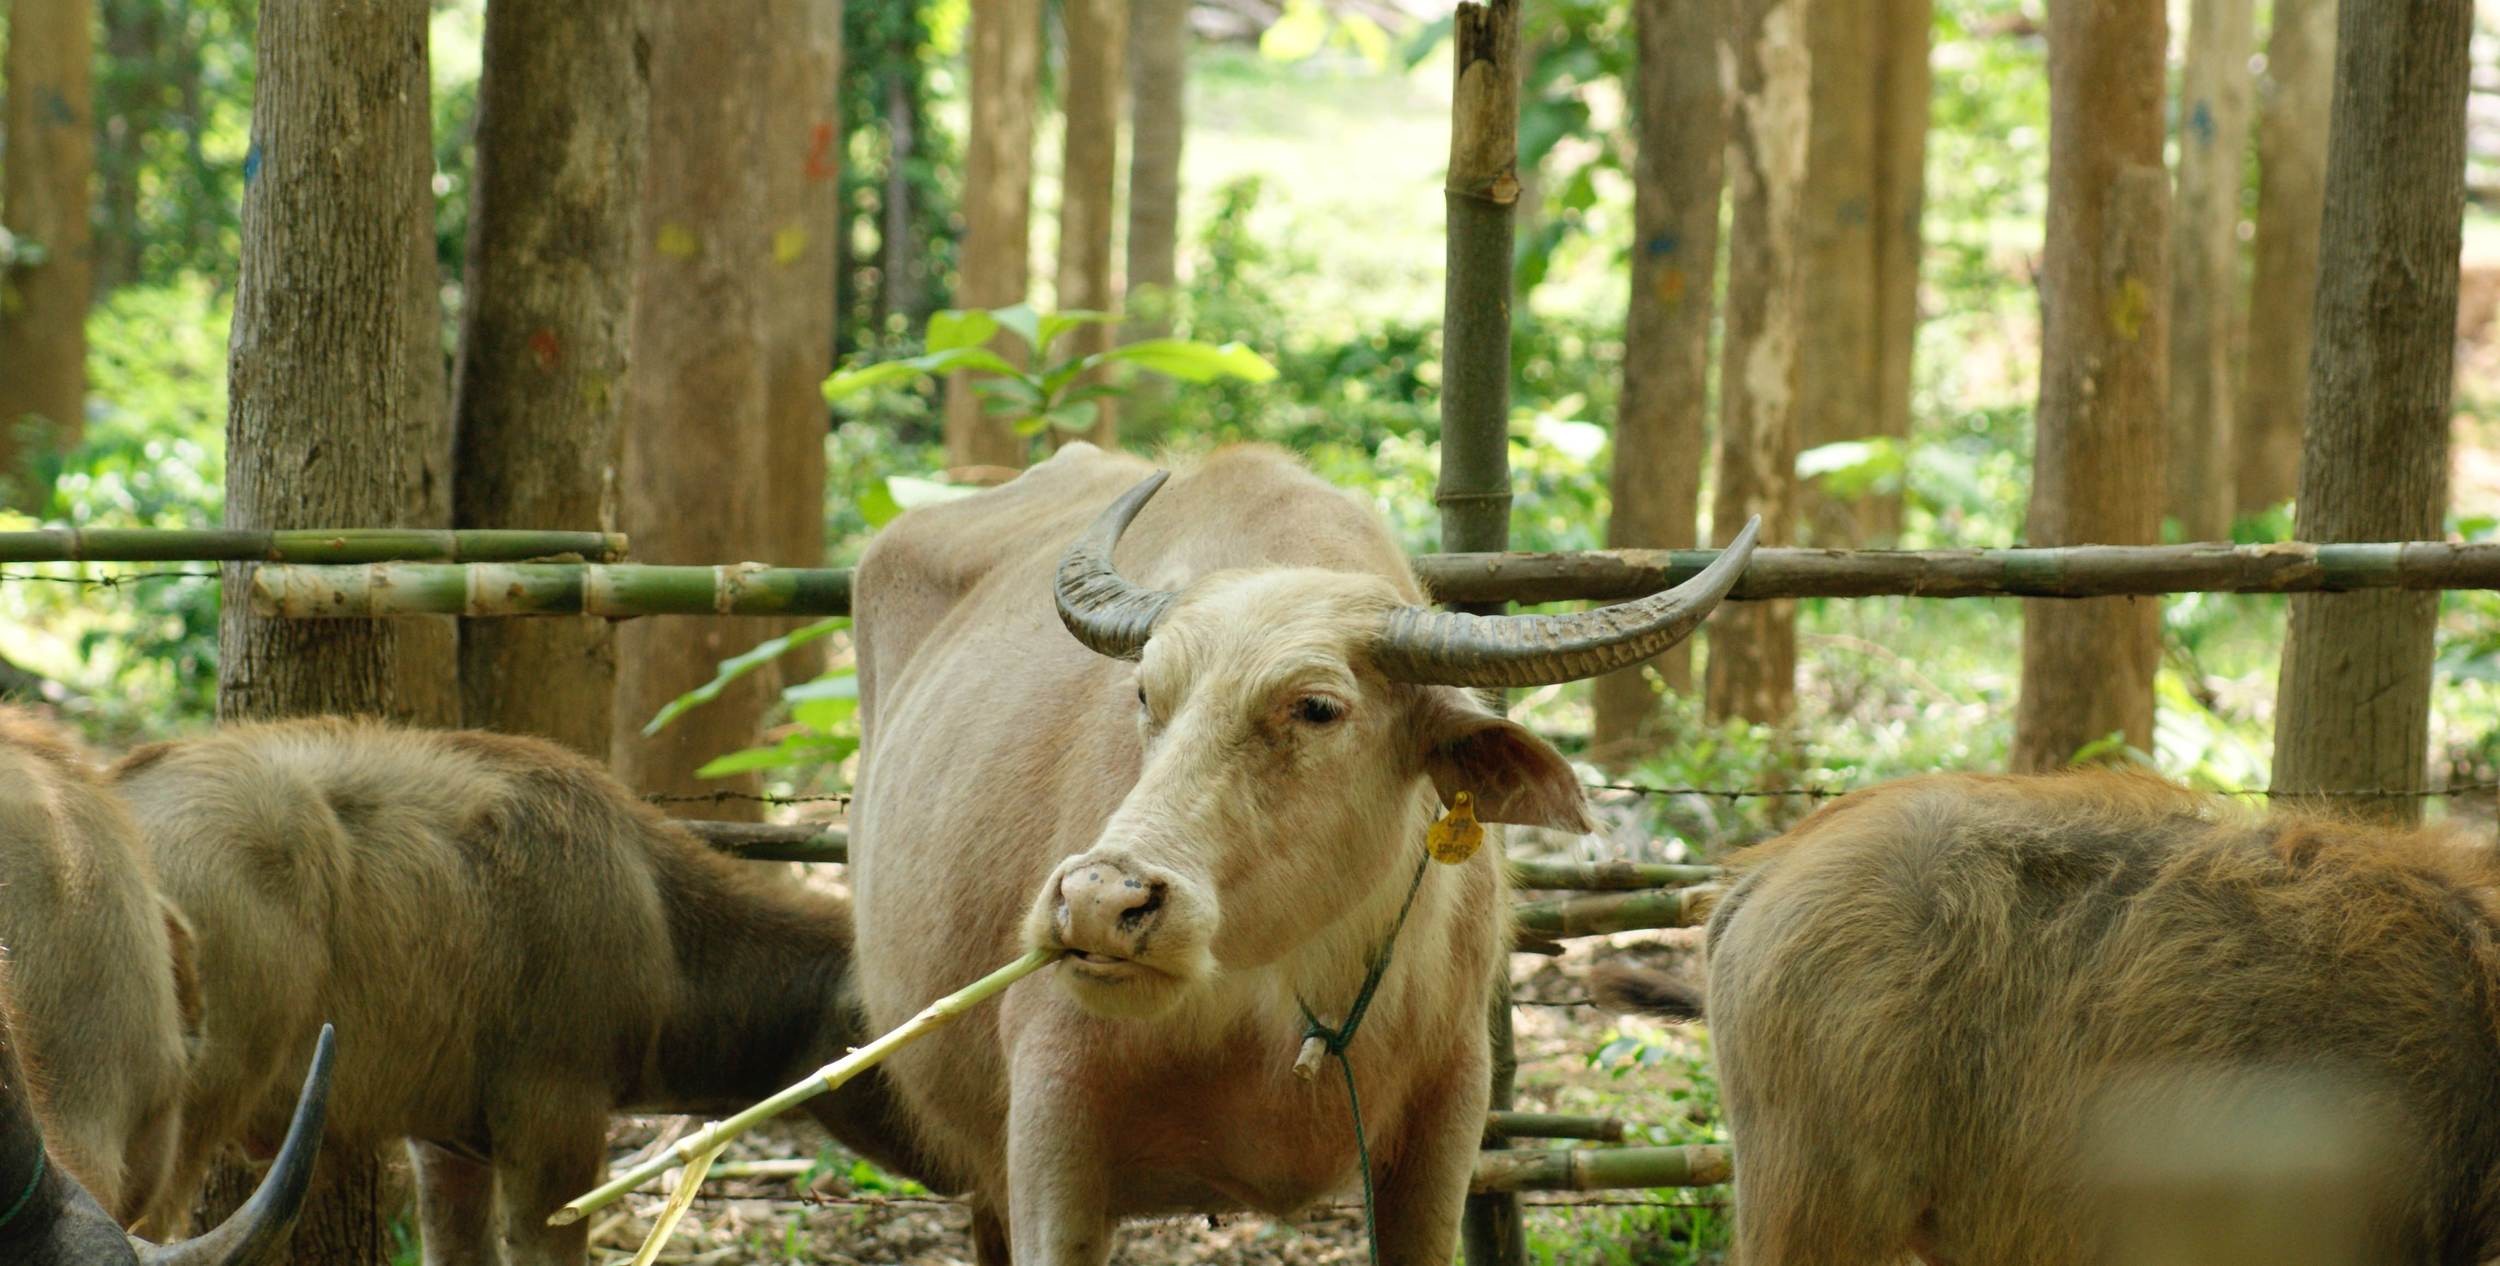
(1099, 606)
(256, 1234)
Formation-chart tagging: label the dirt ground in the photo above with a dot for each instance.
(835, 1220)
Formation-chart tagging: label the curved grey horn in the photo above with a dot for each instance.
(255, 1235)
(1098, 605)
(1456, 649)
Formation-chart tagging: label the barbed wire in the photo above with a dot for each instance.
(816, 1200)
(743, 797)
(111, 581)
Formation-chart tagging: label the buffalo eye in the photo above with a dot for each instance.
(1317, 710)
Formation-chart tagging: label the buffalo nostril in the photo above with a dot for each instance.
(1137, 914)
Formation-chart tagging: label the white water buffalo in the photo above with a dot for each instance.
(2085, 1019)
(517, 946)
(47, 1218)
(1213, 797)
(100, 968)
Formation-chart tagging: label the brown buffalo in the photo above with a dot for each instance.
(47, 1218)
(100, 969)
(518, 946)
(1212, 798)
(2095, 1018)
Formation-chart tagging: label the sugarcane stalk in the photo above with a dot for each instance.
(1615, 912)
(2074, 571)
(310, 545)
(773, 841)
(1553, 1125)
(712, 1137)
(679, 1200)
(1607, 876)
(1602, 1168)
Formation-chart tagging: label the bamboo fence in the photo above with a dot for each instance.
(307, 591)
(312, 545)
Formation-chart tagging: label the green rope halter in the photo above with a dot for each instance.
(19, 1205)
(1336, 1041)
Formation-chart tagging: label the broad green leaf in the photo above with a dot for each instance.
(1023, 320)
(841, 683)
(952, 329)
(1058, 323)
(958, 358)
(790, 753)
(1191, 361)
(1297, 34)
(1073, 417)
(826, 716)
(878, 506)
(1032, 424)
(737, 666)
(1367, 37)
(866, 377)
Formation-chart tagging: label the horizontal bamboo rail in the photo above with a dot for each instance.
(2074, 571)
(311, 545)
(1613, 912)
(2080, 571)
(1607, 876)
(1602, 1168)
(1553, 1125)
(774, 841)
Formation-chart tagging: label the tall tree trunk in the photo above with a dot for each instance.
(1836, 330)
(2292, 103)
(543, 356)
(2355, 689)
(695, 405)
(2204, 305)
(1904, 87)
(45, 193)
(803, 190)
(900, 291)
(995, 263)
(1677, 179)
(1753, 648)
(328, 422)
(130, 108)
(1158, 112)
(2088, 665)
(1097, 77)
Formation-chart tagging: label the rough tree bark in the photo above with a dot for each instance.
(803, 193)
(1904, 84)
(2292, 103)
(1097, 76)
(1836, 317)
(1158, 111)
(541, 388)
(695, 405)
(2355, 687)
(45, 190)
(995, 263)
(1753, 649)
(328, 420)
(2205, 264)
(2088, 665)
(1681, 110)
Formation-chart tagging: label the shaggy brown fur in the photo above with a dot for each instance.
(1985, 1019)
(513, 947)
(98, 967)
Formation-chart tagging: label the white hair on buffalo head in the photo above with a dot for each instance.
(1293, 720)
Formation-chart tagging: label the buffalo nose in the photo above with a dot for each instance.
(1105, 909)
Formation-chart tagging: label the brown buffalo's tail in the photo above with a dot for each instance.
(1623, 987)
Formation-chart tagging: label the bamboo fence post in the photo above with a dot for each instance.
(773, 841)
(1615, 912)
(314, 545)
(1482, 193)
(1602, 1168)
(698, 1148)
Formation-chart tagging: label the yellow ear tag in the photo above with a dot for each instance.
(1458, 835)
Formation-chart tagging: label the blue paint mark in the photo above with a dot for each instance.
(251, 164)
(56, 108)
(1853, 211)
(1663, 244)
(2201, 123)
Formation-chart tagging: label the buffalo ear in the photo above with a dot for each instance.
(1514, 775)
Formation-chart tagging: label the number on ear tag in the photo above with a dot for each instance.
(1458, 835)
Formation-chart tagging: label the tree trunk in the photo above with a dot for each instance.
(1158, 110)
(995, 263)
(1097, 51)
(2205, 265)
(1677, 179)
(1904, 85)
(695, 404)
(542, 358)
(1753, 650)
(803, 189)
(130, 108)
(328, 421)
(2088, 665)
(1836, 331)
(2292, 103)
(45, 193)
(2355, 689)
(901, 268)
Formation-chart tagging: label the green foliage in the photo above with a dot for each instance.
(173, 100)
(739, 665)
(899, 62)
